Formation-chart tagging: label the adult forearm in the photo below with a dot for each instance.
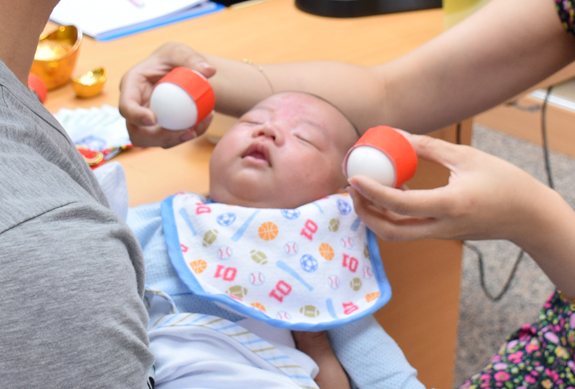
(355, 89)
(500, 51)
(506, 47)
(549, 239)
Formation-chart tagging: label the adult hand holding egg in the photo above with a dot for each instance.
(136, 90)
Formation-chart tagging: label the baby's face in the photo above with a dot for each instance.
(285, 152)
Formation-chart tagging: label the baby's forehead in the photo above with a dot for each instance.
(302, 105)
(296, 100)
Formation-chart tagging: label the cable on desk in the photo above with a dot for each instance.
(544, 138)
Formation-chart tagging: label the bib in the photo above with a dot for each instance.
(311, 268)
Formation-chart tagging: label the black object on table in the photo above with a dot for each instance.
(355, 8)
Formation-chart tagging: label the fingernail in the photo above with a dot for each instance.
(204, 65)
(403, 132)
(147, 121)
(189, 136)
(355, 185)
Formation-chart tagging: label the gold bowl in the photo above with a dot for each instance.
(90, 84)
(56, 56)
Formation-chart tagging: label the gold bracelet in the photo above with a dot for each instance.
(261, 70)
(572, 301)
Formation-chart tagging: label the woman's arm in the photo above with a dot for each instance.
(486, 198)
(503, 49)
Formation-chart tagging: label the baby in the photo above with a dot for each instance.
(284, 153)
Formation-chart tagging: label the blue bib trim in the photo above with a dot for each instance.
(312, 268)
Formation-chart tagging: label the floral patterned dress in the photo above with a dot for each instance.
(566, 14)
(538, 355)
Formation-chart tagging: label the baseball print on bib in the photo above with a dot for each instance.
(312, 268)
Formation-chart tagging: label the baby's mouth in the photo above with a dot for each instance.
(258, 152)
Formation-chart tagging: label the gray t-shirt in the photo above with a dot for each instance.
(71, 272)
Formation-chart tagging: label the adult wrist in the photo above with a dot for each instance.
(538, 217)
(548, 239)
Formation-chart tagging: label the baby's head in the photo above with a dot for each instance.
(285, 152)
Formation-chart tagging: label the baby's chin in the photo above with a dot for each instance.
(279, 202)
(253, 203)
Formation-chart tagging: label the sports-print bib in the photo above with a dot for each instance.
(311, 268)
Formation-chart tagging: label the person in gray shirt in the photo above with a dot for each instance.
(71, 271)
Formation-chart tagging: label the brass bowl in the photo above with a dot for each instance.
(90, 84)
(56, 56)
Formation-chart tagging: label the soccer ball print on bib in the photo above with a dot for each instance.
(310, 268)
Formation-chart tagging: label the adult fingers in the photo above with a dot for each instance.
(414, 203)
(202, 126)
(438, 151)
(135, 92)
(156, 136)
(175, 54)
(390, 226)
(137, 84)
(134, 112)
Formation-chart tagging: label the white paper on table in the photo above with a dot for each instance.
(95, 17)
(97, 129)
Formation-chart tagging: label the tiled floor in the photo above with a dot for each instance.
(484, 324)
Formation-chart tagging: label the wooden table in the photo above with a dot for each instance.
(423, 313)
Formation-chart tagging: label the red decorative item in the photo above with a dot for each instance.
(38, 87)
(92, 158)
(174, 107)
(398, 154)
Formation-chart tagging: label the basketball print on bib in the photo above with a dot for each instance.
(268, 231)
(302, 269)
(326, 251)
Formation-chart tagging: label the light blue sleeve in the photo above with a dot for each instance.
(371, 357)
(146, 223)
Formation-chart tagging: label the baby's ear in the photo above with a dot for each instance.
(342, 189)
(342, 184)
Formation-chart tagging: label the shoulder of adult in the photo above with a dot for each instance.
(35, 150)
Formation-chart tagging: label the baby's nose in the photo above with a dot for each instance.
(267, 131)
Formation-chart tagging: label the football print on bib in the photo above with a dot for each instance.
(310, 268)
